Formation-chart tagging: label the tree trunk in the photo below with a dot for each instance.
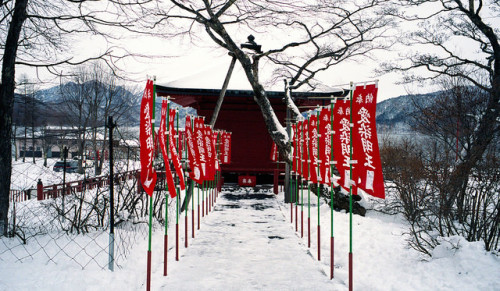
(6, 107)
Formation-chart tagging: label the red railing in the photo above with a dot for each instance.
(21, 195)
(53, 191)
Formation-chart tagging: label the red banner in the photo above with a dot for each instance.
(196, 173)
(226, 148)
(199, 127)
(148, 173)
(342, 141)
(162, 132)
(368, 173)
(274, 153)
(304, 150)
(294, 155)
(313, 148)
(298, 140)
(209, 149)
(216, 142)
(174, 155)
(325, 145)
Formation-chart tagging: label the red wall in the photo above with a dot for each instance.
(239, 114)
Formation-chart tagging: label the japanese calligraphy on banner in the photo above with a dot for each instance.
(274, 153)
(342, 141)
(199, 127)
(368, 171)
(174, 155)
(298, 140)
(294, 154)
(313, 149)
(148, 173)
(194, 163)
(304, 150)
(226, 148)
(210, 153)
(217, 136)
(162, 132)
(325, 145)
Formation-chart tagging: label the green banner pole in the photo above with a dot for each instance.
(176, 215)
(301, 185)
(301, 206)
(192, 208)
(308, 192)
(350, 194)
(198, 191)
(148, 280)
(318, 186)
(165, 247)
(331, 193)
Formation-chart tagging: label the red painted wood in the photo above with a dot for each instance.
(192, 222)
(350, 272)
(331, 257)
(186, 231)
(177, 242)
(165, 256)
(296, 219)
(148, 273)
(308, 232)
(301, 223)
(319, 243)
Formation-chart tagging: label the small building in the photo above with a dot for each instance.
(240, 114)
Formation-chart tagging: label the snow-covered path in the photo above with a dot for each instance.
(244, 244)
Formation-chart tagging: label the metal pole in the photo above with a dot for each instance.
(65, 156)
(111, 126)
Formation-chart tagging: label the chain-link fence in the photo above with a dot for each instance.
(45, 225)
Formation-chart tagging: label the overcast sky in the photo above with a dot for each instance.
(181, 63)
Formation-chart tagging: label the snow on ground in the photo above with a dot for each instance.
(249, 244)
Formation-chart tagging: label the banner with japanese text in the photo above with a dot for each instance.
(325, 145)
(368, 171)
(173, 149)
(162, 133)
(148, 173)
(294, 154)
(313, 148)
(210, 153)
(274, 153)
(226, 148)
(304, 150)
(199, 127)
(216, 142)
(192, 147)
(342, 141)
(298, 154)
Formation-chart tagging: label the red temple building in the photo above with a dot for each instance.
(240, 114)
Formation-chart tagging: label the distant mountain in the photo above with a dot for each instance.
(53, 97)
(393, 114)
(396, 113)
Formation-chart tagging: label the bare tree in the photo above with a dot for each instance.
(36, 33)
(310, 37)
(442, 25)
